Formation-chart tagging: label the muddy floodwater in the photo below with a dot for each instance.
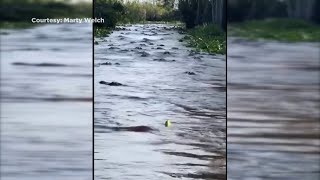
(273, 110)
(46, 108)
(148, 77)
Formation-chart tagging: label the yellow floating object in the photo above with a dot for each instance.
(167, 123)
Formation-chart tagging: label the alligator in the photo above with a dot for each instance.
(111, 83)
(141, 128)
(134, 129)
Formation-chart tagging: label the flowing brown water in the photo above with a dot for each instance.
(273, 110)
(153, 67)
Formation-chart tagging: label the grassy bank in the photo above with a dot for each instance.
(18, 14)
(277, 29)
(208, 38)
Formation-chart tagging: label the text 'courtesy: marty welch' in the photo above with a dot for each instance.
(67, 20)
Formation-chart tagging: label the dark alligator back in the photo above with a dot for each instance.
(128, 128)
(134, 129)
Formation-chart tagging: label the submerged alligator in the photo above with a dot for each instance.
(129, 128)
(39, 64)
(190, 73)
(111, 83)
(141, 128)
(134, 129)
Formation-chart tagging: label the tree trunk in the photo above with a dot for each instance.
(224, 15)
(290, 9)
(309, 10)
(216, 13)
(253, 9)
(300, 8)
(205, 14)
(212, 10)
(219, 8)
(297, 9)
(198, 13)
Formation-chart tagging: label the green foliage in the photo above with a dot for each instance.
(168, 4)
(208, 38)
(277, 29)
(19, 13)
(115, 12)
(139, 12)
(101, 32)
(111, 11)
(188, 11)
(134, 12)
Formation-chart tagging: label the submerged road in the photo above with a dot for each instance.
(143, 76)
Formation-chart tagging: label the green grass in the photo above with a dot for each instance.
(277, 29)
(208, 38)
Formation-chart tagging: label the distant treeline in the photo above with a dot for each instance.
(240, 10)
(24, 10)
(192, 12)
(115, 11)
(198, 12)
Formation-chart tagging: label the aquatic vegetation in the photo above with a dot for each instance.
(101, 31)
(208, 38)
(291, 30)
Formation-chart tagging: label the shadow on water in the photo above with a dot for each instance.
(273, 110)
(46, 104)
(144, 76)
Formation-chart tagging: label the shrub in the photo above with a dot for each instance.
(208, 38)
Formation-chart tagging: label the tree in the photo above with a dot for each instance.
(302, 9)
(168, 3)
